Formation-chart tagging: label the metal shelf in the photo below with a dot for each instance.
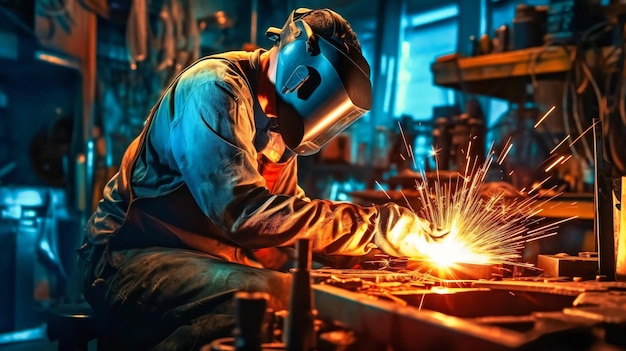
(501, 75)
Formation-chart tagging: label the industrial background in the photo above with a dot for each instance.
(537, 85)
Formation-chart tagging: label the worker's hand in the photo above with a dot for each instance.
(407, 234)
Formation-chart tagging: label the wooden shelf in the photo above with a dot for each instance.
(505, 74)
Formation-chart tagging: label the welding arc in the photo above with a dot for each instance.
(481, 230)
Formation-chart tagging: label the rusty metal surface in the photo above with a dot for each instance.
(477, 302)
(516, 314)
(550, 287)
(568, 266)
(611, 298)
(408, 327)
(604, 314)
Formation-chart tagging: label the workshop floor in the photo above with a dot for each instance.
(39, 345)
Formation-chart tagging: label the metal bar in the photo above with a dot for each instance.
(603, 207)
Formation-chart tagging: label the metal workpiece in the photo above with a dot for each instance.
(522, 314)
(603, 205)
(366, 314)
(605, 307)
(602, 314)
(584, 267)
(610, 298)
(381, 322)
(554, 287)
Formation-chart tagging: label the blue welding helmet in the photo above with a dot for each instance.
(322, 83)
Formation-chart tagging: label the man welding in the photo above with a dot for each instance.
(211, 180)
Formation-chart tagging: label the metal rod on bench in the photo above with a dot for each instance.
(603, 207)
(299, 325)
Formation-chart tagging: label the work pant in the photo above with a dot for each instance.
(169, 299)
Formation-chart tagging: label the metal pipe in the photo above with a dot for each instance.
(603, 207)
(299, 326)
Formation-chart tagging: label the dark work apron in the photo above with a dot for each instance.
(173, 220)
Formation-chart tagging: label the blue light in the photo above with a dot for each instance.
(435, 15)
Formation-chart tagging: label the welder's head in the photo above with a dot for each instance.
(322, 78)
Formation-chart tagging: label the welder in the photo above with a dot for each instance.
(210, 184)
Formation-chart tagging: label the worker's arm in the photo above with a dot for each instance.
(212, 142)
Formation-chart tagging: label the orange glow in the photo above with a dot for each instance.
(434, 151)
(480, 230)
(331, 117)
(221, 18)
(451, 249)
(442, 290)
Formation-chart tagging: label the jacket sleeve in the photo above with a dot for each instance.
(212, 143)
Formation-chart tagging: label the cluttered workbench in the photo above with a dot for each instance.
(510, 314)
(401, 304)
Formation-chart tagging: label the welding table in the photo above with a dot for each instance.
(525, 314)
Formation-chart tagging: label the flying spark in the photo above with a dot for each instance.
(554, 164)
(582, 134)
(383, 189)
(480, 230)
(559, 144)
(506, 151)
(544, 117)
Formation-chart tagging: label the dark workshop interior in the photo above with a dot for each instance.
(504, 119)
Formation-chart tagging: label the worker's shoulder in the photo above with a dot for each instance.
(220, 70)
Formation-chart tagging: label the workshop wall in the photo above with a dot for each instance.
(39, 105)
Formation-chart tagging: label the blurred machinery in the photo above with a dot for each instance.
(38, 238)
(459, 138)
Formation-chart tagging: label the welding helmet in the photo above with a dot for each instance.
(322, 83)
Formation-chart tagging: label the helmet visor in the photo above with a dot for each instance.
(319, 94)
